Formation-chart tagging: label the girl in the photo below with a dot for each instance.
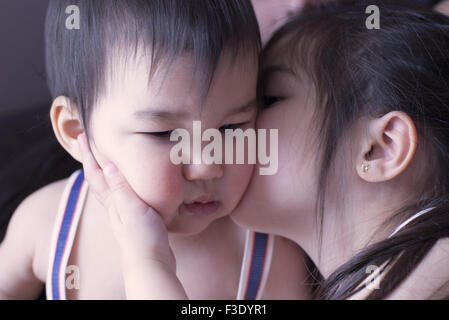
(363, 174)
(133, 72)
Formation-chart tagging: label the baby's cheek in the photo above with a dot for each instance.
(237, 180)
(146, 167)
(160, 185)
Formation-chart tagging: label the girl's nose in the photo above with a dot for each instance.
(203, 171)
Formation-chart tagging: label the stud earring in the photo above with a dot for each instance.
(365, 167)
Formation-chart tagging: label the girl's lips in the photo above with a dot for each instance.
(202, 208)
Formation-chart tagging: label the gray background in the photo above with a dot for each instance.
(22, 76)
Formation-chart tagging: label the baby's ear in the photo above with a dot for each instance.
(67, 125)
(389, 147)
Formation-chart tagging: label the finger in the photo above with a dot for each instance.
(126, 201)
(97, 183)
(92, 171)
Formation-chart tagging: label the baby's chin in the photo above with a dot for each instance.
(186, 230)
(248, 215)
(185, 225)
(240, 215)
(247, 222)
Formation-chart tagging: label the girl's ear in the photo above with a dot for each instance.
(390, 146)
(67, 125)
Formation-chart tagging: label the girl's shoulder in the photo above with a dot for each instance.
(430, 279)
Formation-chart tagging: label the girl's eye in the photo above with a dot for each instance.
(267, 101)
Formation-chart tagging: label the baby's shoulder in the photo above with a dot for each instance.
(288, 277)
(42, 205)
(38, 214)
(38, 209)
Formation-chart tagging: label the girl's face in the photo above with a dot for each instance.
(282, 203)
(129, 128)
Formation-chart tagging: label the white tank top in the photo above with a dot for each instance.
(256, 258)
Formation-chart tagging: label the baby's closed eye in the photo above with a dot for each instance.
(166, 134)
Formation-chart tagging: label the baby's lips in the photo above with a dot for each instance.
(203, 208)
(202, 199)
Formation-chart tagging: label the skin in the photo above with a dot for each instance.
(284, 203)
(142, 236)
(272, 14)
(443, 7)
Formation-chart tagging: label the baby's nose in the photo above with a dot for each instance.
(203, 171)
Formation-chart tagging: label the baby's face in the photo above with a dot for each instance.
(128, 125)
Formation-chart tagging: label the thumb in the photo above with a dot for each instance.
(123, 197)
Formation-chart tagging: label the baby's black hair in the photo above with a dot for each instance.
(77, 59)
(77, 62)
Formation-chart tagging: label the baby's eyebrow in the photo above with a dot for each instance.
(149, 114)
(159, 114)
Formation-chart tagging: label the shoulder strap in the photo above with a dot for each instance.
(416, 215)
(378, 271)
(256, 265)
(64, 231)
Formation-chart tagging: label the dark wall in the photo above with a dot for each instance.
(22, 77)
(24, 97)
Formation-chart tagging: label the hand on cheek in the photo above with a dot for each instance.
(139, 230)
(148, 263)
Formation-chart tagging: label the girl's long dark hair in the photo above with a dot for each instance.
(359, 72)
